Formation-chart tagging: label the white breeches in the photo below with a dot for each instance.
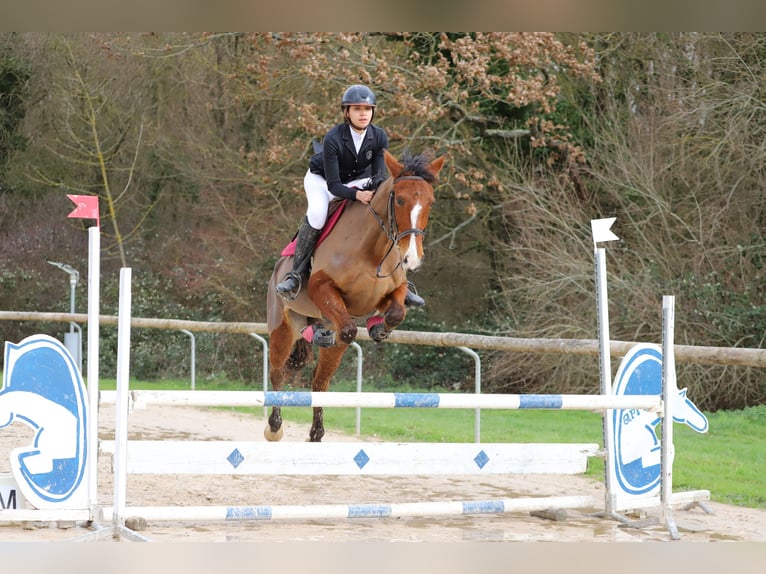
(319, 197)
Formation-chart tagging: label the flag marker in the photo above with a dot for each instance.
(601, 231)
(87, 208)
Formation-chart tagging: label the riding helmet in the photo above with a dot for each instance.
(358, 95)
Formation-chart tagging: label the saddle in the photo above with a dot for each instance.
(334, 211)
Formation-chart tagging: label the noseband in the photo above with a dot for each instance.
(392, 228)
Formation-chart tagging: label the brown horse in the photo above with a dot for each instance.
(358, 272)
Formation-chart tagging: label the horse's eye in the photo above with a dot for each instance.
(399, 201)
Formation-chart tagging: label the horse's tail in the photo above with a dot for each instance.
(300, 356)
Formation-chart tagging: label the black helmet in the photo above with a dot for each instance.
(358, 95)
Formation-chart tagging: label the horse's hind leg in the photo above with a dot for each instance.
(284, 354)
(329, 360)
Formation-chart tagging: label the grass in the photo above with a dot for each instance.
(729, 460)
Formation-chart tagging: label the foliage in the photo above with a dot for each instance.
(161, 353)
(677, 161)
(14, 75)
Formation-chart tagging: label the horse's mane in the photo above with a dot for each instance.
(417, 165)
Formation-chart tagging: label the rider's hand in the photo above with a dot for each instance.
(364, 196)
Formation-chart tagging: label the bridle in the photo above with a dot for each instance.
(391, 229)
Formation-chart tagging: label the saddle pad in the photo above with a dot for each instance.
(335, 212)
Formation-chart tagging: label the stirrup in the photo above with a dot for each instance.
(412, 299)
(290, 291)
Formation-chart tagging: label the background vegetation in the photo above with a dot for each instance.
(197, 144)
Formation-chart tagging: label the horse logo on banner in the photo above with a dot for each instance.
(43, 389)
(635, 460)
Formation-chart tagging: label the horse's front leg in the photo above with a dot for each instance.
(330, 303)
(392, 311)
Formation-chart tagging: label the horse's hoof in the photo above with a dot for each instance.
(319, 336)
(272, 436)
(378, 333)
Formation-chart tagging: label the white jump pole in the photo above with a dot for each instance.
(354, 511)
(601, 232)
(121, 414)
(605, 368)
(669, 390)
(94, 280)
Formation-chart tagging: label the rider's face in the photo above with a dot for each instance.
(360, 116)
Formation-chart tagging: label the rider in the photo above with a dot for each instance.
(350, 165)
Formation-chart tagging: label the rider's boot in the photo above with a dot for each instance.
(290, 286)
(412, 299)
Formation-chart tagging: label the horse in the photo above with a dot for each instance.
(358, 272)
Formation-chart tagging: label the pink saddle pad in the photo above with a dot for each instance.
(289, 249)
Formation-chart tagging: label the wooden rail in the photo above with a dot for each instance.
(734, 356)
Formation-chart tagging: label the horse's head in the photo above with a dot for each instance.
(411, 197)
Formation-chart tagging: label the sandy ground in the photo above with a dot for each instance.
(727, 523)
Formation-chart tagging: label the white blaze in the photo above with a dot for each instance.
(411, 261)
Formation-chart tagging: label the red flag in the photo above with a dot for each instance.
(87, 207)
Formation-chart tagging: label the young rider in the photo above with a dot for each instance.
(350, 165)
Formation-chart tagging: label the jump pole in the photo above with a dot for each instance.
(353, 511)
(94, 303)
(143, 398)
(117, 516)
(669, 387)
(121, 415)
(600, 231)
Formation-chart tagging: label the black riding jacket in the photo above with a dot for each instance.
(339, 163)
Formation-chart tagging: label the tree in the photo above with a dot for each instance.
(676, 154)
(14, 76)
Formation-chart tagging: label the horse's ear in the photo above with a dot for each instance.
(436, 165)
(392, 164)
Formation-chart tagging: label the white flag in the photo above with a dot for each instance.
(600, 230)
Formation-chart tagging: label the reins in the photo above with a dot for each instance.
(392, 229)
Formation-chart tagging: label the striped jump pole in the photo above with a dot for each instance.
(353, 511)
(140, 398)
